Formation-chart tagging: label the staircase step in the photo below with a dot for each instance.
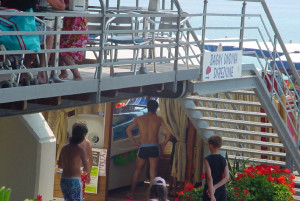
(253, 151)
(234, 121)
(239, 112)
(257, 160)
(243, 92)
(253, 142)
(221, 100)
(296, 198)
(241, 132)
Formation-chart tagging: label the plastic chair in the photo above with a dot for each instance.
(167, 23)
(125, 24)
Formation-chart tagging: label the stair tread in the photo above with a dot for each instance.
(229, 111)
(235, 121)
(257, 160)
(296, 197)
(230, 130)
(221, 100)
(254, 142)
(243, 92)
(253, 151)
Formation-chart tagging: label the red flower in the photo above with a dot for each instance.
(246, 192)
(236, 194)
(188, 187)
(203, 175)
(39, 198)
(270, 178)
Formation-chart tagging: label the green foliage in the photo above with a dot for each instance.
(235, 167)
(262, 182)
(192, 194)
(5, 194)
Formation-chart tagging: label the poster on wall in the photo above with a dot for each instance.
(222, 65)
(102, 162)
(93, 185)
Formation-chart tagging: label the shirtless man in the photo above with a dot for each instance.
(71, 158)
(86, 145)
(149, 147)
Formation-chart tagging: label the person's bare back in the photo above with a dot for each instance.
(149, 125)
(71, 158)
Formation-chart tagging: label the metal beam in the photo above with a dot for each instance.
(203, 88)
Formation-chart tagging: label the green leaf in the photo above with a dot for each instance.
(2, 190)
(7, 194)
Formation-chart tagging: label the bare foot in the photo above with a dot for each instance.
(41, 77)
(63, 76)
(77, 78)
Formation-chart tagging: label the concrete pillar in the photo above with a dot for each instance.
(27, 156)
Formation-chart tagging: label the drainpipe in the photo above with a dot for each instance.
(203, 35)
(242, 30)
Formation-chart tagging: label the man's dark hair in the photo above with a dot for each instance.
(79, 132)
(215, 141)
(152, 106)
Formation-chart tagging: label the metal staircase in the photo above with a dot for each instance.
(248, 120)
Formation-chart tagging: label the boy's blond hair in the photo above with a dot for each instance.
(215, 141)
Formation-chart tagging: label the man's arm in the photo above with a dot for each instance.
(129, 129)
(89, 153)
(84, 159)
(59, 163)
(57, 4)
(168, 136)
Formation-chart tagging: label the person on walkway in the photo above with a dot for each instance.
(30, 58)
(158, 190)
(72, 41)
(217, 173)
(149, 147)
(71, 158)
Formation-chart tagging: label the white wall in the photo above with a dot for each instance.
(27, 156)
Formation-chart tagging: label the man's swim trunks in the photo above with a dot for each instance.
(71, 188)
(148, 150)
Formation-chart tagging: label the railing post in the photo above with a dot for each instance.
(107, 4)
(118, 4)
(242, 30)
(177, 44)
(273, 71)
(203, 34)
(292, 66)
(101, 51)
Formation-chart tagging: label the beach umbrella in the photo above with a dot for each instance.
(293, 47)
(262, 49)
(282, 62)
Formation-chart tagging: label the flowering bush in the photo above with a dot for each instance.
(262, 182)
(190, 193)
